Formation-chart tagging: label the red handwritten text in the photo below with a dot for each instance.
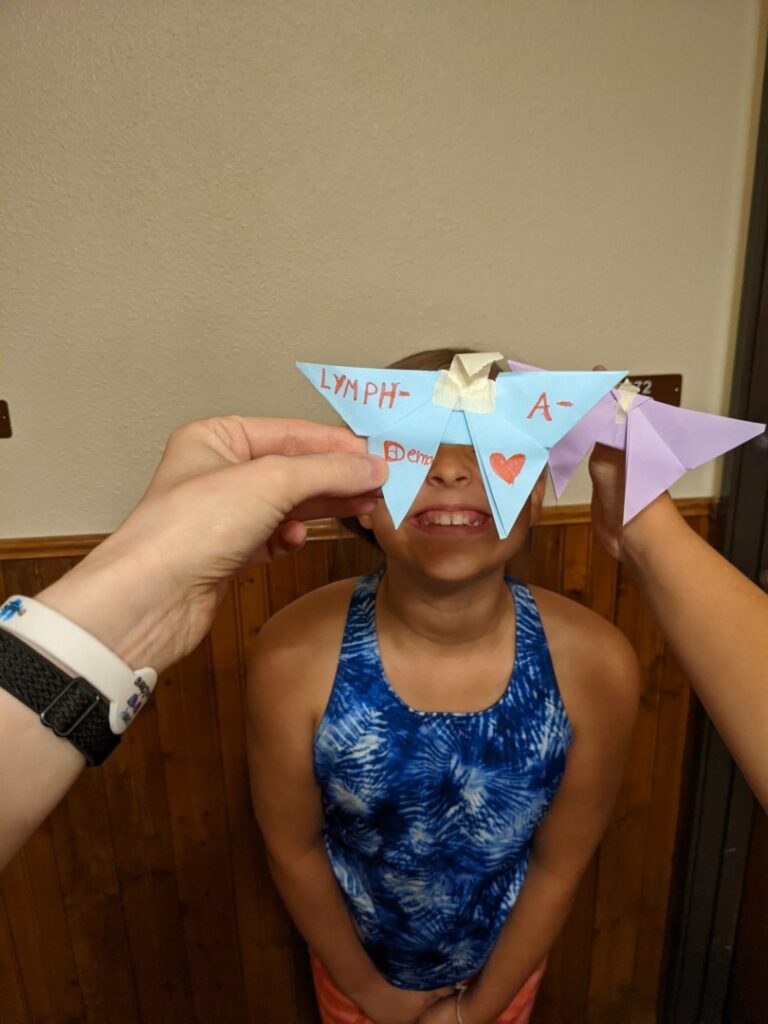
(363, 391)
(542, 405)
(395, 452)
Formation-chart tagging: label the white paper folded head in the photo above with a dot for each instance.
(465, 385)
(626, 393)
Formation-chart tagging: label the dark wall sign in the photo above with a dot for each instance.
(5, 420)
(663, 387)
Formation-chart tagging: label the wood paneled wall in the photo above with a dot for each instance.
(146, 898)
(748, 996)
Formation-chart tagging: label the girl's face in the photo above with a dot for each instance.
(449, 533)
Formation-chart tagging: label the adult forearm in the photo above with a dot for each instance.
(36, 770)
(36, 766)
(230, 491)
(716, 622)
(523, 943)
(119, 596)
(313, 899)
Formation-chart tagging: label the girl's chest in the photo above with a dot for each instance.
(428, 780)
(457, 682)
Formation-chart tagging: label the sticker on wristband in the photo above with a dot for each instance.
(121, 716)
(13, 606)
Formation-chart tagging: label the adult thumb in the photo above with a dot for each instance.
(288, 481)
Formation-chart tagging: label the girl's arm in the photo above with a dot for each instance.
(288, 808)
(602, 721)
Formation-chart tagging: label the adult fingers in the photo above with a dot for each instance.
(201, 446)
(338, 508)
(207, 445)
(287, 539)
(289, 482)
(297, 437)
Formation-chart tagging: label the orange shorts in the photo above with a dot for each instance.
(335, 1008)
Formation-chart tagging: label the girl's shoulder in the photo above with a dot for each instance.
(575, 628)
(308, 630)
(594, 662)
(295, 656)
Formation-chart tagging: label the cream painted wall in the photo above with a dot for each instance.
(196, 194)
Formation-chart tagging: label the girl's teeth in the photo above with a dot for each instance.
(451, 519)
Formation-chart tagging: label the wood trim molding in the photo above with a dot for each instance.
(49, 547)
(321, 529)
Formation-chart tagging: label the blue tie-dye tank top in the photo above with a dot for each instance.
(429, 814)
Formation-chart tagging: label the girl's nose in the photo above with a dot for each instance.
(451, 467)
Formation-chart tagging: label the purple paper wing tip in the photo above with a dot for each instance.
(663, 442)
(651, 465)
(517, 367)
(698, 437)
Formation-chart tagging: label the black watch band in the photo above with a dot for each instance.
(73, 708)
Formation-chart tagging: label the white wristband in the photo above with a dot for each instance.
(76, 650)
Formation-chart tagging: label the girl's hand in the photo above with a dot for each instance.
(441, 1012)
(388, 1004)
(444, 1011)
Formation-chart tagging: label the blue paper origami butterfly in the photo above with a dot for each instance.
(511, 422)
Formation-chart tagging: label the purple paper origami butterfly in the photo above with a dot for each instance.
(661, 441)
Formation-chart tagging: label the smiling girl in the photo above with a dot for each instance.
(434, 755)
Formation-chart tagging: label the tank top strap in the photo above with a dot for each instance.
(531, 638)
(360, 639)
(534, 675)
(529, 627)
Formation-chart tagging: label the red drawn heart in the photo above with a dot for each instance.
(508, 469)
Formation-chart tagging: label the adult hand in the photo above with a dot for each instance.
(228, 492)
